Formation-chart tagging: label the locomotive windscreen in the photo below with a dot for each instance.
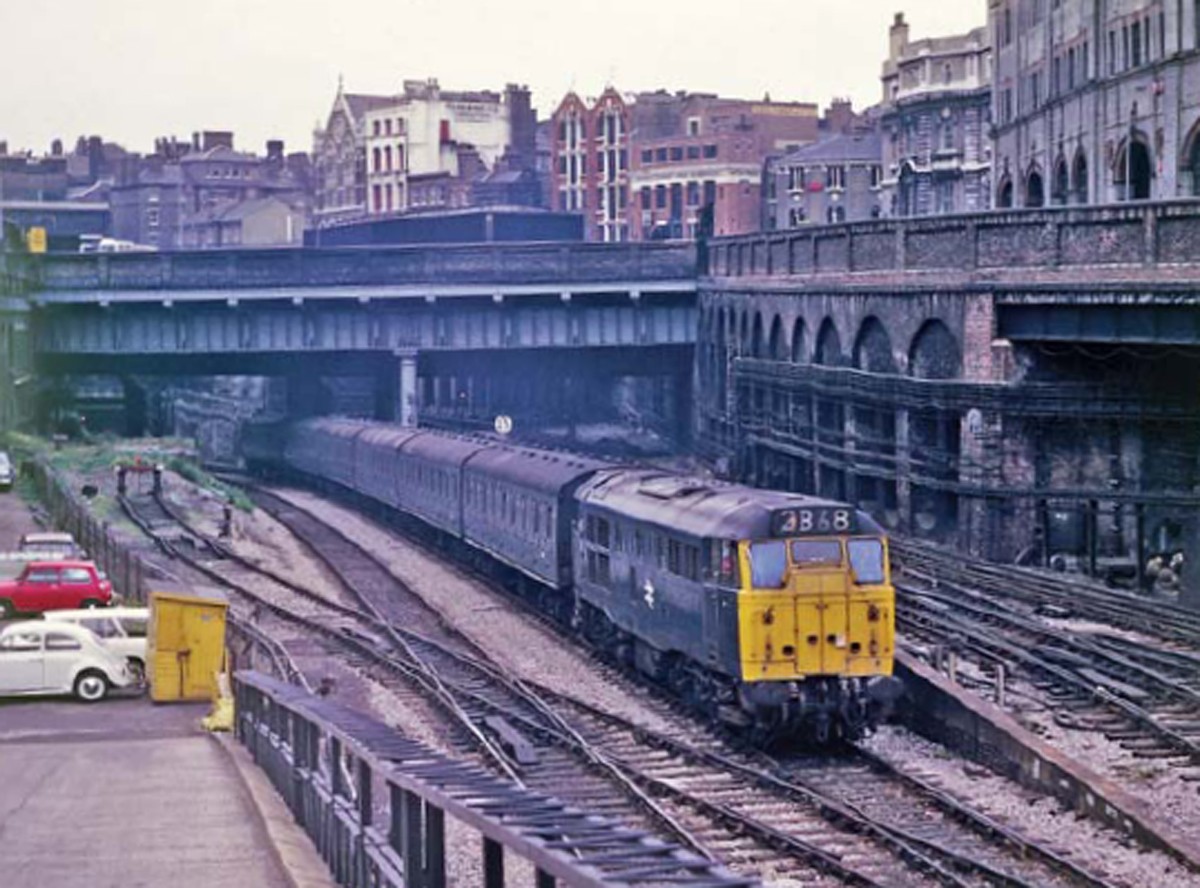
(816, 520)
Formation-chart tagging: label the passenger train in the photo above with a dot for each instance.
(772, 611)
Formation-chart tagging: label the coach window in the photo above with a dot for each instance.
(724, 563)
(768, 565)
(675, 557)
(866, 560)
(691, 563)
(639, 544)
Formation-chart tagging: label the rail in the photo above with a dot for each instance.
(375, 804)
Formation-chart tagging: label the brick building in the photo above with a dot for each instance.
(1095, 102)
(430, 148)
(838, 179)
(649, 166)
(339, 159)
(184, 187)
(935, 118)
(590, 165)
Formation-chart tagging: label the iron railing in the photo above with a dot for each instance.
(375, 804)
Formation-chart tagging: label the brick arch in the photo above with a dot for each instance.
(873, 350)
(777, 344)
(799, 341)
(935, 353)
(828, 348)
(758, 337)
(743, 339)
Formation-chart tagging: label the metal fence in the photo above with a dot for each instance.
(376, 805)
(131, 574)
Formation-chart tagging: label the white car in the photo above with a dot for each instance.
(121, 629)
(8, 476)
(40, 657)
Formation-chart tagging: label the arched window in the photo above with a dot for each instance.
(757, 346)
(798, 341)
(873, 348)
(778, 349)
(1004, 195)
(1060, 194)
(934, 353)
(829, 345)
(1035, 190)
(1079, 178)
(1133, 170)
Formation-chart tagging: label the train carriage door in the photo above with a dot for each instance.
(822, 589)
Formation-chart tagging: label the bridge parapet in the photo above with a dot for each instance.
(1116, 242)
(475, 264)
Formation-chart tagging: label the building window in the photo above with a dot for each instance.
(693, 126)
(677, 153)
(710, 151)
(646, 200)
(693, 194)
(835, 177)
(710, 192)
(647, 156)
(876, 176)
(660, 155)
(693, 152)
(660, 196)
(152, 217)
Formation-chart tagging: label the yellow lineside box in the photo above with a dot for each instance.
(186, 646)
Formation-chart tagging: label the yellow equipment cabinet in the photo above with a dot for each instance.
(186, 646)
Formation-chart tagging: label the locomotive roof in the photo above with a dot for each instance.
(546, 471)
(698, 507)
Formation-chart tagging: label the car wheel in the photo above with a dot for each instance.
(6, 609)
(91, 686)
(91, 604)
(138, 669)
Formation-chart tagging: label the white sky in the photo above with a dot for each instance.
(131, 70)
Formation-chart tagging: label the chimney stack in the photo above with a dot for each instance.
(898, 36)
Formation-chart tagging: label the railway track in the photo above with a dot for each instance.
(1143, 695)
(741, 810)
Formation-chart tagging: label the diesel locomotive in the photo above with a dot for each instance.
(772, 611)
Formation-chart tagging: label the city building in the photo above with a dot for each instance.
(838, 179)
(590, 163)
(936, 123)
(54, 192)
(655, 166)
(696, 161)
(257, 222)
(339, 159)
(1095, 102)
(166, 199)
(430, 148)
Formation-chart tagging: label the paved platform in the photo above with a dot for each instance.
(125, 793)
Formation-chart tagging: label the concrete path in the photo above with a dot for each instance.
(124, 794)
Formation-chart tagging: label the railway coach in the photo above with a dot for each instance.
(773, 611)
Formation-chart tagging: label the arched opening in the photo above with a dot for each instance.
(934, 436)
(778, 344)
(1192, 159)
(831, 414)
(1061, 190)
(743, 341)
(1004, 194)
(1035, 189)
(1079, 178)
(907, 190)
(1133, 170)
(799, 337)
(874, 428)
(829, 345)
(934, 353)
(757, 344)
(873, 348)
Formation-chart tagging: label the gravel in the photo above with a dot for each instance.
(1103, 851)
(515, 641)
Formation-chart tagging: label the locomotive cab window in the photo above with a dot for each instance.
(866, 560)
(816, 553)
(768, 565)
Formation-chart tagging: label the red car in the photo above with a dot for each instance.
(55, 585)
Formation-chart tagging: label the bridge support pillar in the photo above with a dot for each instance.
(396, 395)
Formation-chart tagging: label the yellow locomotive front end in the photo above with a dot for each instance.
(816, 622)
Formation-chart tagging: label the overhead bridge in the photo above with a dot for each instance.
(370, 311)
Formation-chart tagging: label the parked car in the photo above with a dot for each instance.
(51, 543)
(59, 658)
(8, 475)
(55, 585)
(121, 629)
